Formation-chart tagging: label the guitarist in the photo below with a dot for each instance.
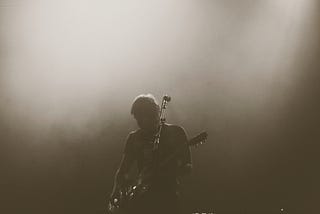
(162, 195)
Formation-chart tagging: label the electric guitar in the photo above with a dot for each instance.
(127, 195)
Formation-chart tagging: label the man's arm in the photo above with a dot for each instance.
(127, 160)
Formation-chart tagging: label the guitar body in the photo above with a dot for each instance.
(127, 198)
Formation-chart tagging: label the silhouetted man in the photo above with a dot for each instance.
(162, 194)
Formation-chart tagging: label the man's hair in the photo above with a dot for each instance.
(144, 103)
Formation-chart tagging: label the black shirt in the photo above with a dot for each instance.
(173, 153)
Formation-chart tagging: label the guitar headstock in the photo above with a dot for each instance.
(198, 139)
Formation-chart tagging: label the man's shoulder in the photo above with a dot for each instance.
(175, 128)
(132, 140)
(133, 134)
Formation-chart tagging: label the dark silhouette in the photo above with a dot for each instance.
(158, 170)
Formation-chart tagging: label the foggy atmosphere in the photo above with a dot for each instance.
(245, 71)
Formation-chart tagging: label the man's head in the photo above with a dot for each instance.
(146, 111)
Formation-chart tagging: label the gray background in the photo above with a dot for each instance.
(246, 71)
